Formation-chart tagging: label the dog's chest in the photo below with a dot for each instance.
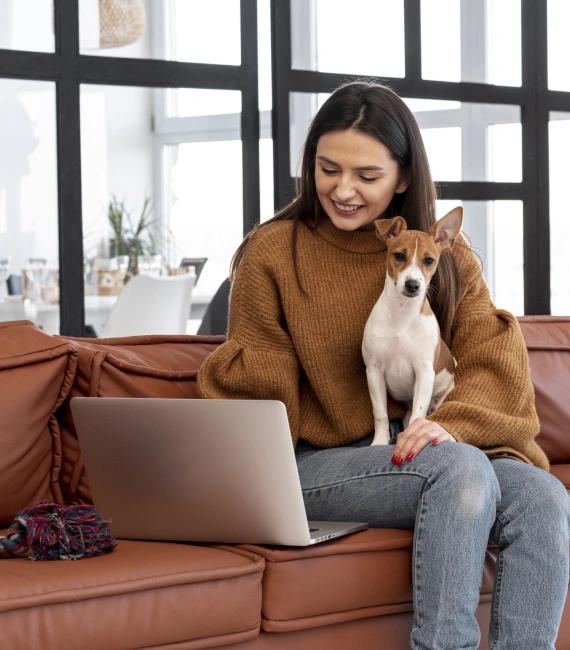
(399, 349)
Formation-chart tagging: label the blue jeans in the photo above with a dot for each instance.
(456, 500)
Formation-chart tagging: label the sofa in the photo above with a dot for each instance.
(352, 592)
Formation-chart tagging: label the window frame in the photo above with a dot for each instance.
(69, 69)
(535, 99)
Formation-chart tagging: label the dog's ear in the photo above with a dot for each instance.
(386, 229)
(447, 228)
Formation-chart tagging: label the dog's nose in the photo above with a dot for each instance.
(412, 285)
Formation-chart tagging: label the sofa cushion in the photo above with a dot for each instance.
(562, 473)
(36, 373)
(143, 594)
(548, 342)
(138, 366)
(357, 576)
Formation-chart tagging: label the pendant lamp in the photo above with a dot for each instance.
(121, 22)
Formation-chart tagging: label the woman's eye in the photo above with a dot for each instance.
(428, 261)
(400, 257)
(369, 179)
(328, 171)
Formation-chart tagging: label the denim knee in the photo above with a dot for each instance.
(548, 497)
(473, 483)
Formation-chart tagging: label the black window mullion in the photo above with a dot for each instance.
(70, 225)
(156, 73)
(250, 116)
(534, 118)
(480, 191)
(413, 39)
(280, 118)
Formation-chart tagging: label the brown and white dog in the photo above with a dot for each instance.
(402, 346)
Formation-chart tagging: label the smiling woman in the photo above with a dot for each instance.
(355, 178)
(304, 286)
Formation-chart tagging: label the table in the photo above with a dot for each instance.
(97, 310)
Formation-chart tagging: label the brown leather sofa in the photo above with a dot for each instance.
(353, 592)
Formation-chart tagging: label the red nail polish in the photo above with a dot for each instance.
(394, 457)
(410, 455)
(400, 462)
(435, 441)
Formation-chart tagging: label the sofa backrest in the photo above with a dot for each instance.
(138, 366)
(548, 343)
(36, 375)
(40, 456)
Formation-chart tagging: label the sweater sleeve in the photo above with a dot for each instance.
(258, 361)
(492, 404)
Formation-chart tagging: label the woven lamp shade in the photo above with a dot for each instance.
(122, 22)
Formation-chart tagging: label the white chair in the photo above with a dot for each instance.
(151, 305)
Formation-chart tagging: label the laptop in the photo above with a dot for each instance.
(196, 470)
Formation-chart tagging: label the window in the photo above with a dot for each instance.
(211, 81)
(481, 102)
(137, 117)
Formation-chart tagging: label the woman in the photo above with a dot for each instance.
(304, 285)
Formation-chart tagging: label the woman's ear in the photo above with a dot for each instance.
(403, 186)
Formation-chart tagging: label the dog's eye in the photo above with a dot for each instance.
(400, 257)
(428, 261)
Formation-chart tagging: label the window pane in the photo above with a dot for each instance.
(178, 173)
(470, 142)
(443, 147)
(28, 203)
(27, 25)
(190, 102)
(495, 231)
(264, 54)
(464, 141)
(558, 44)
(482, 41)
(368, 39)
(177, 30)
(266, 178)
(559, 133)
(205, 220)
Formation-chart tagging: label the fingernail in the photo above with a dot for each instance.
(400, 462)
(435, 441)
(410, 455)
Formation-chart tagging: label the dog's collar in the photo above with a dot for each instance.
(353, 241)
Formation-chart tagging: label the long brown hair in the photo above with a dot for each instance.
(376, 110)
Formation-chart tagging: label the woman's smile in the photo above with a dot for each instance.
(346, 209)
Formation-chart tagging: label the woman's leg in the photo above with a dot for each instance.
(531, 582)
(448, 494)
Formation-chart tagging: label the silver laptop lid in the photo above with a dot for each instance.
(169, 469)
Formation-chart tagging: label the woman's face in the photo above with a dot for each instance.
(356, 178)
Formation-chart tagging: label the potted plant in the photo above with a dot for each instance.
(131, 238)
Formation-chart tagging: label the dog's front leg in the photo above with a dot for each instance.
(378, 395)
(423, 390)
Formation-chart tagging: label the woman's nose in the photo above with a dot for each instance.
(344, 188)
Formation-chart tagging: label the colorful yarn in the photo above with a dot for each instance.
(55, 532)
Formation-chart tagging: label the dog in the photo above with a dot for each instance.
(402, 345)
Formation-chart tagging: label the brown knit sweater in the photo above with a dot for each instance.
(305, 350)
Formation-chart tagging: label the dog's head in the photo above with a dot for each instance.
(413, 255)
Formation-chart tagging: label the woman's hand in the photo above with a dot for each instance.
(416, 436)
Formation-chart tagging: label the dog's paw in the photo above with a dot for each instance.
(435, 403)
(381, 438)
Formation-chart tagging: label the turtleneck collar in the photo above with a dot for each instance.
(353, 241)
